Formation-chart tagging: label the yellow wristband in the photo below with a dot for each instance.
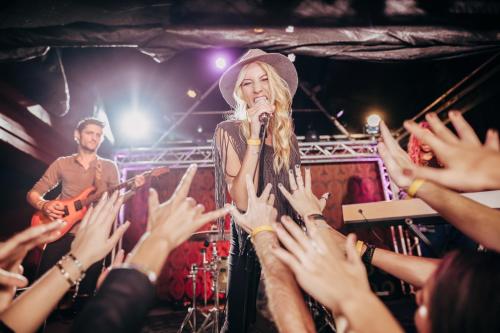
(359, 246)
(261, 229)
(253, 142)
(414, 187)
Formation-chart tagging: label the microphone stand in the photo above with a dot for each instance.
(264, 124)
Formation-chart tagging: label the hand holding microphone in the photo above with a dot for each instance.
(259, 114)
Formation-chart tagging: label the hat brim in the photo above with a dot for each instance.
(283, 66)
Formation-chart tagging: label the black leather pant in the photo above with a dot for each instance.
(243, 283)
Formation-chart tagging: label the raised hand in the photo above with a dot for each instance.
(262, 106)
(92, 241)
(395, 159)
(11, 279)
(326, 272)
(15, 248)
(468, 165)
(177, 218)
(302, 198)
(119, 257)
(260, 210)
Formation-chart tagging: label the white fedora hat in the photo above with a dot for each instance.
(283, 66)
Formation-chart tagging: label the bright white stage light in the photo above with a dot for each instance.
(220, 62)
(373, 120)
(372, 125)
(135, 125)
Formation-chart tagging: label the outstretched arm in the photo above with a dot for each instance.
(91, 244)
(281, 287)
(472, 218)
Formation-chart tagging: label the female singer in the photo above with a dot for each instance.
(259, 85)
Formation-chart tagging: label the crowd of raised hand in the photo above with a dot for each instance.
(459, 293)
(127, 291)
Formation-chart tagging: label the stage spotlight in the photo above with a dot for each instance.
(372, 125)
(220, 63)
(199, 129)
(191, 93)
(292, 57)
(135, 125)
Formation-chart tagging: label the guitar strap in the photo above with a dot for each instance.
(98, 181)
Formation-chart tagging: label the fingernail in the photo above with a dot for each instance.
(328, 195)
(297, 166)
(407, 172)
(280, 185)
(431, 115)
(452, 114)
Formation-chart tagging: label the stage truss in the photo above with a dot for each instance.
(138, 159)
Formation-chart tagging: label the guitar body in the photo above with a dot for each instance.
(76, 207)
(74, 210)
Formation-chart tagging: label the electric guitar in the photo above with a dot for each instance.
(76, 207)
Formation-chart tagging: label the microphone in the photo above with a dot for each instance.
(264, 117)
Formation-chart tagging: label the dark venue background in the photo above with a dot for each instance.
(63, 60)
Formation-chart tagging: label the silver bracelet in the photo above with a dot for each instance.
(152, 277)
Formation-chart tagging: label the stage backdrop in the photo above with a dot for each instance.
(347, 183)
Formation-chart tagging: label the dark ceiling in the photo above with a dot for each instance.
(394, 57)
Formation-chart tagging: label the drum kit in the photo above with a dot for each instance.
(200, 319)
(216, 268)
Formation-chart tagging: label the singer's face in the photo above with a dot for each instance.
(255, 84)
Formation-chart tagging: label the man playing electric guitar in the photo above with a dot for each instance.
(75, 173)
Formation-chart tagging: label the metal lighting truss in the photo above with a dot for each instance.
(182, 156)
(138, 159)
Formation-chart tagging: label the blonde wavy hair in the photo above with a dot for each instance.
(281, 124)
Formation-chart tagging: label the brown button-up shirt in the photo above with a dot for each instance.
(74, 177)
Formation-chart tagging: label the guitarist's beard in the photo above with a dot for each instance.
(88, 150)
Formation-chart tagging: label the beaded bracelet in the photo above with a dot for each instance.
(78, 265)
(40, 203)
(65, 274)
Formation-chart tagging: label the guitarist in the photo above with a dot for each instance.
(75, 173)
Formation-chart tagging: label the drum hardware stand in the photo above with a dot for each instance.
(191, 315)
(212, 319)
(205, 269)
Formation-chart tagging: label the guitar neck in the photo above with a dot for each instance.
(95, 197)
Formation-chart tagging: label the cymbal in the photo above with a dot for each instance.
(209, 235)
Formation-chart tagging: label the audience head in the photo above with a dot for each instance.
(462, 295)
(419, 152)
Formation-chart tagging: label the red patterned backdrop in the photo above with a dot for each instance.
(347, 182)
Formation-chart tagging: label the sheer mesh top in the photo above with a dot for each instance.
(229, 133)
